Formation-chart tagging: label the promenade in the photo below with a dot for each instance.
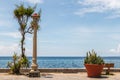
(60, 76)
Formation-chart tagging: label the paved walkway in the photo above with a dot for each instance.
(60, 76)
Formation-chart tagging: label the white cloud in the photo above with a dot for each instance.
(89, 10)
(6, 23)
(114, 36)
(116, 50)
(28, 38)
(10, 34)
(9, 49)
(33, 1)
(84, 30)
(92, 29)
(99, 6)
(6, 50)
(115, 14)
(39, 40)
(47, 41)
(28, 52)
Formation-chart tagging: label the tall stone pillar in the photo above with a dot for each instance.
(34, 67)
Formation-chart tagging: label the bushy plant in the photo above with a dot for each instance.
(92, 58)
(18, 63)
(25, 62)
(15, 64)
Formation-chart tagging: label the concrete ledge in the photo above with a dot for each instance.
(59, 70)
(63, 70)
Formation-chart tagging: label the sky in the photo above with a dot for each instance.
(67, 27)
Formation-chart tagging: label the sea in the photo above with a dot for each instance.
(61, 62)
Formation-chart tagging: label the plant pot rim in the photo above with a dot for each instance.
(93, 64)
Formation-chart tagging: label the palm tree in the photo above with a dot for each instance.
(22, 15)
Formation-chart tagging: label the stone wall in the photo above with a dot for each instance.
(60, 70)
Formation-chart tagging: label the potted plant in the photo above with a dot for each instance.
(94, 64)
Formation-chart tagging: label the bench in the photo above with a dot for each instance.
(108, 66)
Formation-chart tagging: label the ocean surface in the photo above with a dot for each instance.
(61, 62)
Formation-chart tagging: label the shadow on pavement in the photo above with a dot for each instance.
(45, 75)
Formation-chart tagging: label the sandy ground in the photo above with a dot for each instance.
(60, 76)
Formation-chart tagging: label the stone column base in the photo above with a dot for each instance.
(34, 74)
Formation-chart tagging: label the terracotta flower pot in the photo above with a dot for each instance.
(94, 70)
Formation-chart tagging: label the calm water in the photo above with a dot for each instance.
(61, 62)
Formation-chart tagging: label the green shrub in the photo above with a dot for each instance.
(15, 64)
(25, 62)
(18, 63)
(92, 58)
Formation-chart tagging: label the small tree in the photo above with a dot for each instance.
(22, 15)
